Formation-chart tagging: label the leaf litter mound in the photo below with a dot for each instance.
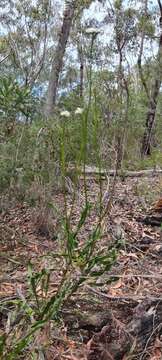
(118, 315)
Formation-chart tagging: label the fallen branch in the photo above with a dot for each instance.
(92, 171)
(133, 298)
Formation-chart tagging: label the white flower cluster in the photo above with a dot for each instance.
(92, 31)
(66, 113)
(79, 111)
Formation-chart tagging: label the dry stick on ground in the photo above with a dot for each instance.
(135, 298)
(5, 58)
(92, 171)
(154, 276)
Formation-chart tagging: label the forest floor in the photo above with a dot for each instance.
(111, 306)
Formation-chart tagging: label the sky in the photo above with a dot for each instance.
(97, 12)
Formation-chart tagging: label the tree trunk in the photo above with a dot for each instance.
(152, 104)
(57, 62)
(147, 137)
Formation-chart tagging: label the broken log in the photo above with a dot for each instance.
(92, 171)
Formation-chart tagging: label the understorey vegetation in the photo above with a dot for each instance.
(80, 164)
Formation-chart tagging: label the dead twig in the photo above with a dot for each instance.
(135, 298)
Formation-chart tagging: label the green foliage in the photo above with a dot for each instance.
(81, 262)
(145, 24)
(2, 344)
(35, 150)
(118, 4)
(3, 43)
(16, 101)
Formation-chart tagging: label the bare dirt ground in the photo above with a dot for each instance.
(121, 310)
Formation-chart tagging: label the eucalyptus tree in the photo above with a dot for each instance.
(72, 9)
(57, 62)
(153, 91)
(24, 26)
(123, 39)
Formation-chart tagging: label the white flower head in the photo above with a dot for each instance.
(65, 114)
(92, 31)
(79, 111)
